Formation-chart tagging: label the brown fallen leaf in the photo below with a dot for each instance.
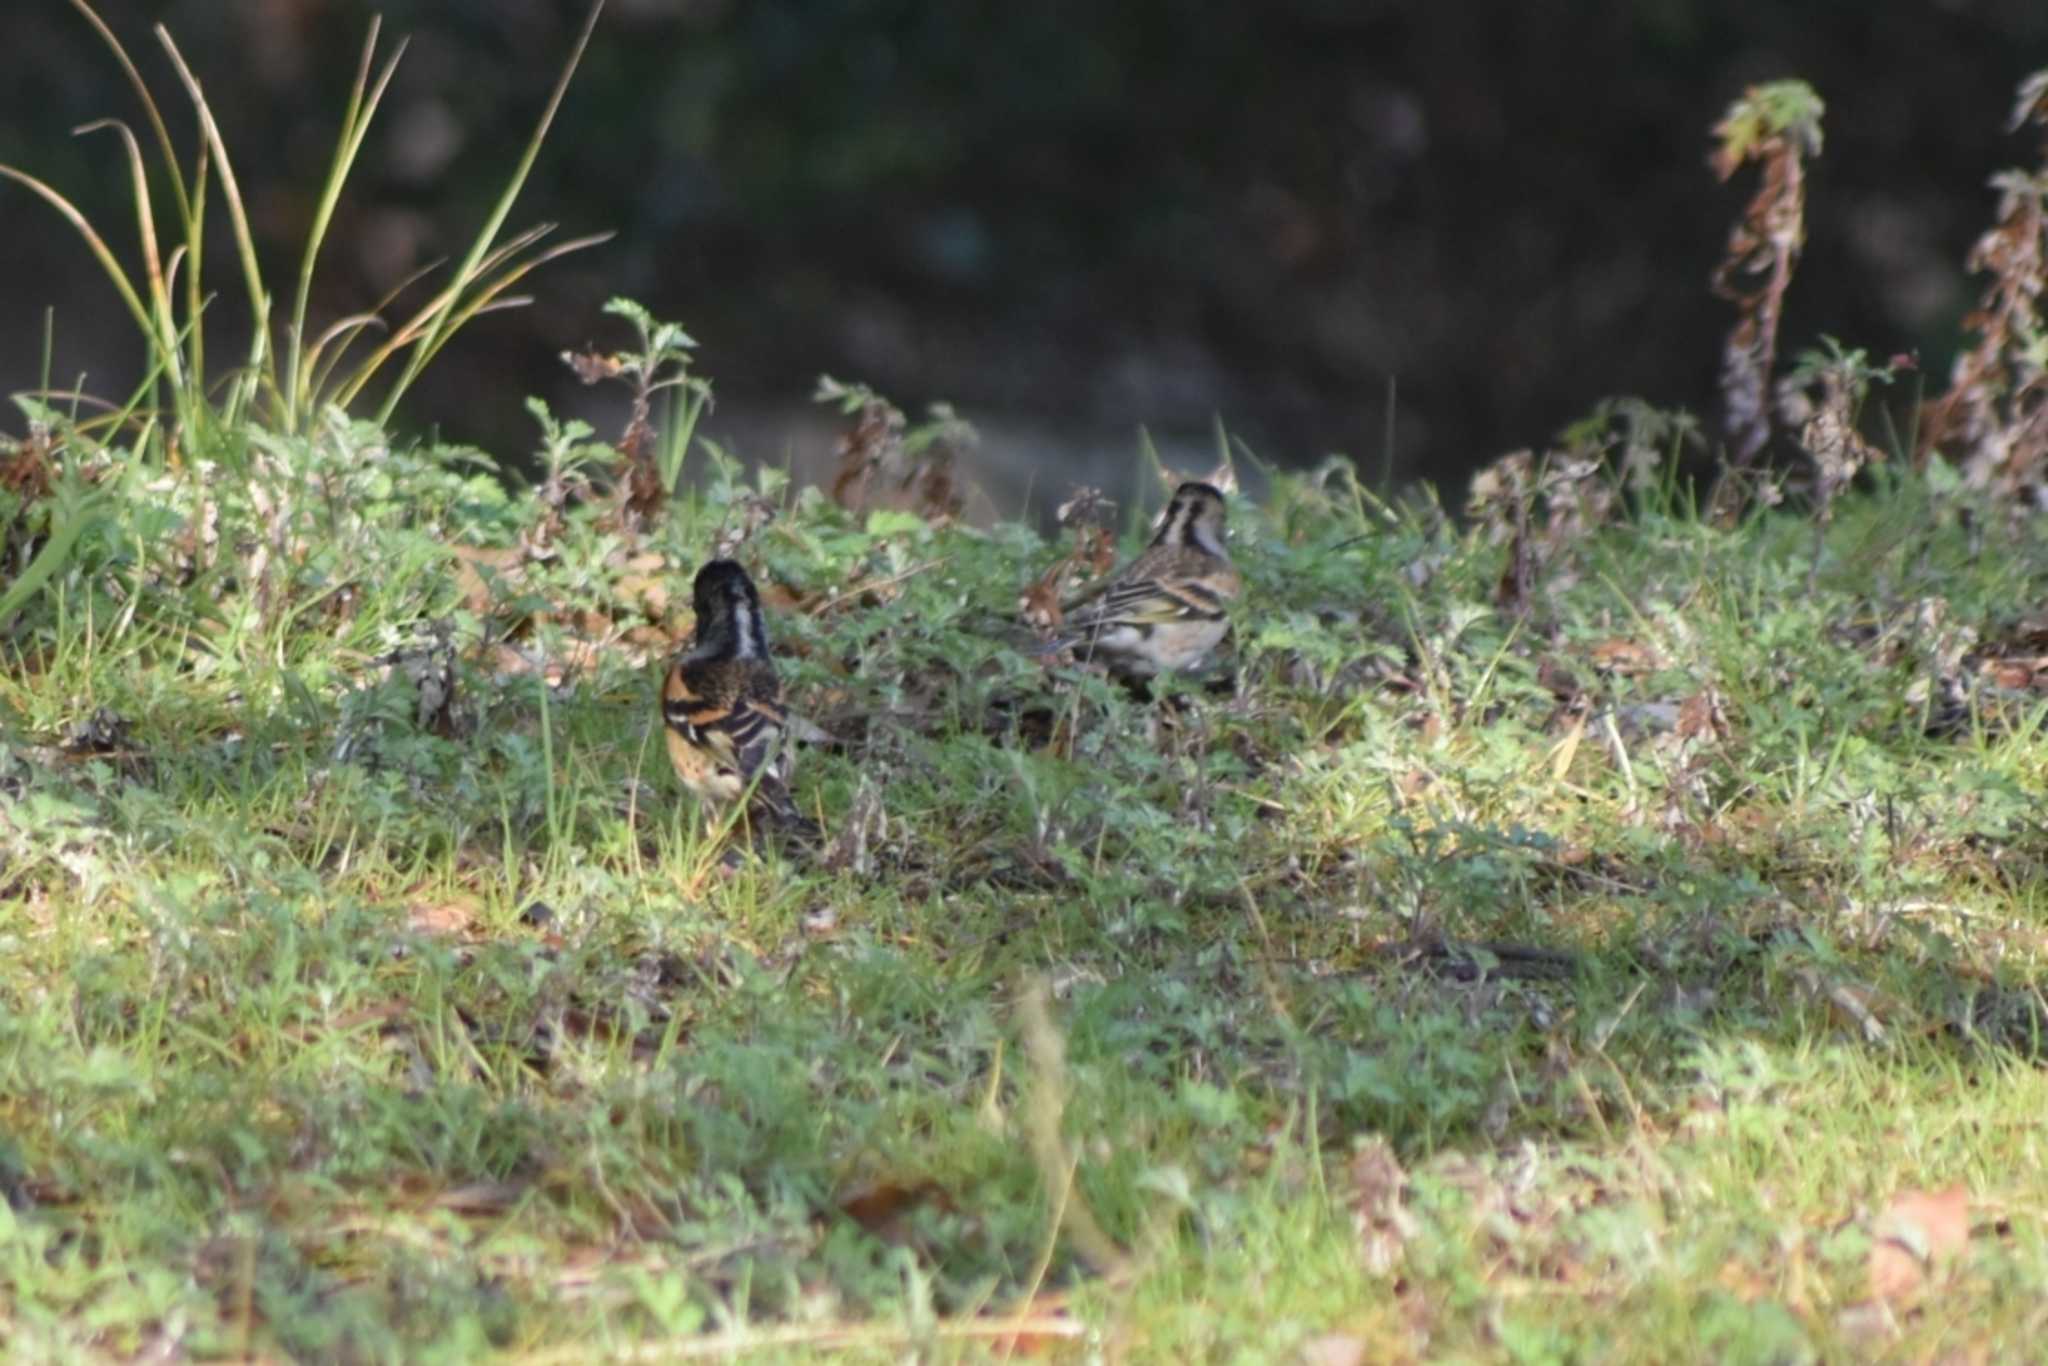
(1333, 1349)
(1629, 658)
(884, 1206)
(450, 916)
(1378, 1193)
(1703, 717)
(649, 591)
(648, 640)
(26, 467)
(1742, 1281)
(478, 568)
(1916, 1232)
(1039, 603)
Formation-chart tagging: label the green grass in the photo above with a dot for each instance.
(339, 1027)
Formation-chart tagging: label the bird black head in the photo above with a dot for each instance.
(728, 609)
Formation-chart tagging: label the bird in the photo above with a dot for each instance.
(721, 703)
(1165, 611)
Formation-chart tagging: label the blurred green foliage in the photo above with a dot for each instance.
(1094, 214)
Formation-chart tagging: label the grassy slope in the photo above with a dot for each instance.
(326, 1034)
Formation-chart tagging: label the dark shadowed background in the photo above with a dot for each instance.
(1069, 219)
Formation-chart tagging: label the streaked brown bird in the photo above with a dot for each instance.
(721, 705)
(1166, 610)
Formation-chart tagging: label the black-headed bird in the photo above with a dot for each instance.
(721, 705)
(1166, 610)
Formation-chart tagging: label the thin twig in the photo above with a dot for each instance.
(839, 600)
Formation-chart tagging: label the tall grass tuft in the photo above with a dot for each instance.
(288, 377)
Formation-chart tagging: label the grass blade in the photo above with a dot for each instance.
(319, 365)
(55, 554)
(245, 241)
(107, 260)
(499, 213)
(156, 118)
(364, 98)
(483, 300)
(420, 322)
(165, 334)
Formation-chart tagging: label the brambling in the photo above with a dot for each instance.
(1166, 609)
(721, 705)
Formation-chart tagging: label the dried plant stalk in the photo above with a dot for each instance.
(1993, 418)
(1778, 127)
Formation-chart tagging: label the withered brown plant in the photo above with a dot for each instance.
(1576, 498)
(26, 467)
(641, 493)
(935, 451)
(1499, 497)
(874, 440)
(1776, 126)
(1822, 395)
(646, 470)
(1993, 418)
(922, 460)
(1085, 517)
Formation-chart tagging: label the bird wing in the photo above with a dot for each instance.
(738, 725)
(1150, 602)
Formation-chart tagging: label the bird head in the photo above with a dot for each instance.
(729, 610)
(1194, 518)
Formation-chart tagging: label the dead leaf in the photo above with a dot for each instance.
(647, 640)
(874, 441)
(27, 469)
(1039, 603)
(1093, 555)
(1567, 749)
(1743, 1282)
(1852, 1001)
(884, 1207)
(1702, 717)
(1627, 658)
(1378, 1193)
(513, 661)
(591, 366)
(1837, 448)
(478, 569)
(1917, 1232)
(649, 590)
(453, 917)
(1518, 579)
(1333, 1349)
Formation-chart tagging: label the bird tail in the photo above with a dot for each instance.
(779, 813)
